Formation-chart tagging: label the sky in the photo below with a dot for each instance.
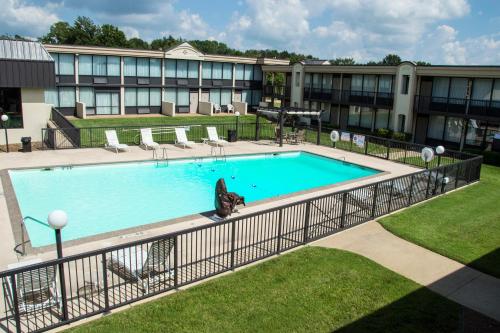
(438, 31)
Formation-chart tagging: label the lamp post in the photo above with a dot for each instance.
(4, 122)
(439, 152)
(57, 220)
(237, 114)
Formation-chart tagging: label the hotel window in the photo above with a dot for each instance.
(354, 115)
(316, 81)
(67, 97)
(193, 68)
(215, 96)
(356, 83)
(85, 65)
(382, 118)
(206, 70)
(107, 103)
(369, 83)
(401, 122)
(257, 73)
(481, 92)
(495, 98)
(239, 72)
(170, 95)
(98, 65)
(436, 127)
(182, 69)
(307, 81)
(453, 129)
(385, 84)
(366, 118)
(256, 97)
(297, 79)
(130, 97)
(10, 102)
(327, 81)
(143, 67)
(86, 95)
(440, 89)
(248, 72)
(51, 97)
(113, 66)
(182, 97)
(225, 96)
(458, 90)
(129, 66)
(227, 71)
(142, 97)
(154, 67)
(216, 70)
(170, 68)
(476, 130)
(64, 63)
(405, 84)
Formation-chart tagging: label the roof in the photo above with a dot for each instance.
(23, 50)
(315, 62)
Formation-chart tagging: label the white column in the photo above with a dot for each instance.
(122, 88)
(77, 81)
(162, 79)
(200, 80)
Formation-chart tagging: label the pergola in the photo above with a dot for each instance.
(281, 113)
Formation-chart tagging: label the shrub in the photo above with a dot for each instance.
(401, 136)
(383, 132)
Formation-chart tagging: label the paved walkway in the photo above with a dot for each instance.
(464, 285)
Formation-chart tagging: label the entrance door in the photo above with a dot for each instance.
(421, 129)
(107, 103)
(193, 101)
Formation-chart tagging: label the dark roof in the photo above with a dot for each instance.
(23, 50)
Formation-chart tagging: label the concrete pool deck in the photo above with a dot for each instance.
(100, 155)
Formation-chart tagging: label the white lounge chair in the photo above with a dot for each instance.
(214, 139)
(181, 138)
(230, 108)
(112, 141)
(217, 108)
(143, 264)
(147, 139)
(35, 289)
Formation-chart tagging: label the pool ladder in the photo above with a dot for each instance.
(162, 158)
(221, 155)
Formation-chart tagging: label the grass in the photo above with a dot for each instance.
(463, 225)
(165, 120)
(309, 290)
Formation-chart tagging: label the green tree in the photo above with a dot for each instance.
(137, 43)
(391, 60)
(110, 36)
(165, 43)
(422, 63)
(343, 61)
(59, 33)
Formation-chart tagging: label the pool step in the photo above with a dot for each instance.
(162, 158)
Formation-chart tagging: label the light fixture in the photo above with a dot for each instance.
(5, 117)
(440, 150)
(237, 113)
(57, 219)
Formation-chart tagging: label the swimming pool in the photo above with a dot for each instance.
(110, 197)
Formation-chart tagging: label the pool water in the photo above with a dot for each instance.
(110, 197)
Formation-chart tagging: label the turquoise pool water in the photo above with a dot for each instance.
(103, 198)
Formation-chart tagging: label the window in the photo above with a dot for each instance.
(225, 97)
(357, 83)
(99, 65)
(369, 83)
(64, 63)
(154, 97)
(154, 67)
(170, 68)
(246, 96)
(113, 66)
(401, 122)
(142, 97)
(182, 69)
(496, 94)
(257, 73)
(130, 97)
(239, 72)
(193, 67)
(248, 72)
(217, 71)
(256, 97)
(10, 103)
(51, 97)
(382, 118)
(440, 89)
(297, 79)
(85, 65)
(143, 67)
(436, 127)
(327, 81)
(129, 68)
(458, 90)
(481, 91)
(316, 81)
(227, 71)
(476, 130)
(307, 80)
(67, 97)
(453, 130)
(366, 118)
(207, 70)
(87, 96)
(385, 84)
(170, 95)
(354, 115)
(182, 97)
(215, 96)
(107, 102)
(405, 83)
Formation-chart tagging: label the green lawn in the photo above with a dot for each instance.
(464, 225)
(165, 120)
(309, 290)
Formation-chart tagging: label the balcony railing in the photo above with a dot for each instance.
(280, 91)
(355, 97)
(457, 106)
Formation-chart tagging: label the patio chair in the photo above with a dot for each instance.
(181, 138)
(299, 137)
(147, 139)
(113, 143)
(35, 289)
(230, 108)
(142, 265)
(214, 139)
(217, 108)
(362, 199)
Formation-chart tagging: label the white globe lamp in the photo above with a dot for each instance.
(57, 219)
(5, 117)
(440, 150)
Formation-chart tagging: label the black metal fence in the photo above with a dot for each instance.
(98, 281)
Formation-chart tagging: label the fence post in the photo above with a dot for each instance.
(443, 185)
(404, 159)
(232, 243)
(280, 223)
(428, 183)
(176, 265)
(306, 223)
(390, 197)
(388, 149)
(105, 282)
(17, 316)
(344, 206)
(459, 166)
(375, 194)
(366, 145)
(411, 190)
(257, 127)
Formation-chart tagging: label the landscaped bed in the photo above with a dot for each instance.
(309, 290)
(464, 225)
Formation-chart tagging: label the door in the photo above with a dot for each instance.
(421, 129)
(107, 103)
(193, 102)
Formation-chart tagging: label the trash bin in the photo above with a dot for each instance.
(26, 141)
(231, 135)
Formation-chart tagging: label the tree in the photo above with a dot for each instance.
(391, 60)
(165, 43)
(84, 31)
(343, 61)
(422, 63)
(59, 33)
(137, 43)
(110, 36)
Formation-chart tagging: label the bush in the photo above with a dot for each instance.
(491, 157)
(383, 132)
(401, 136)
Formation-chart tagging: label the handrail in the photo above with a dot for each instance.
(23, 230)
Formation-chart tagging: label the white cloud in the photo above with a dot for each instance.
(19, 17)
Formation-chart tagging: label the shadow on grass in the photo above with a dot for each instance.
(400, 316)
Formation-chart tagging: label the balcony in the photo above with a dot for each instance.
(351, 97)
(457, 107)
(280, 92)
